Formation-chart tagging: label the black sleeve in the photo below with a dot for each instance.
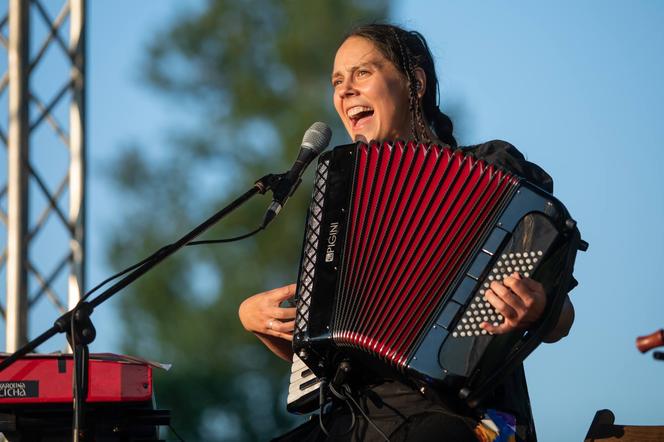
(503, 154)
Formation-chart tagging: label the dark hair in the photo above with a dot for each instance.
(408, 50)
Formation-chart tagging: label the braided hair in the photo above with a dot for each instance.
(408, 50)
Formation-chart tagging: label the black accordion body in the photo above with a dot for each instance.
(401, 242)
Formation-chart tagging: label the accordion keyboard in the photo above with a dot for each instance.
(303, 387)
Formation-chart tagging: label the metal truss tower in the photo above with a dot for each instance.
(42, 198)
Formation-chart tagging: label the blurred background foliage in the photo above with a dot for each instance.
(253, 75)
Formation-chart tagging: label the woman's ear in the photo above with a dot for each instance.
(420, 82)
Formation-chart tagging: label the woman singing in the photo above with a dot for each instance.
(385, 88)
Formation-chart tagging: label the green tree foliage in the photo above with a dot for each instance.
(253, 75)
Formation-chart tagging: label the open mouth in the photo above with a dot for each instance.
(357, 114)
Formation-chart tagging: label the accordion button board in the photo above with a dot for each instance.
(401, 243)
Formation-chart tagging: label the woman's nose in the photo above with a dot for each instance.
(346, 89)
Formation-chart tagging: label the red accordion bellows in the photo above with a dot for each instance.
(417, 213)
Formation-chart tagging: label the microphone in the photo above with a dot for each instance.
(314, 141)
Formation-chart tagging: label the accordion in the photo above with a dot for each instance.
(401, 242)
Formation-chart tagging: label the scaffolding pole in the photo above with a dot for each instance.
(28, 282)
(77, 149)
(17, 176)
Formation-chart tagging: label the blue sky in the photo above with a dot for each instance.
(576, 86)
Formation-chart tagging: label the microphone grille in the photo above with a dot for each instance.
(317, 137)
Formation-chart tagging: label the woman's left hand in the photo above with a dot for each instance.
(519, 300)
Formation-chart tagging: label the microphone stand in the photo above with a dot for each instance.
(78, 326)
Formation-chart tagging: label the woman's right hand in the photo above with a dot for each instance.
(261, 313)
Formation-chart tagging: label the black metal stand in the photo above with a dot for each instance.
(78, 325)
(81, 333)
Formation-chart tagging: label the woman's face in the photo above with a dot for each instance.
(370, 94)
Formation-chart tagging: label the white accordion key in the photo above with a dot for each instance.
(303, 382)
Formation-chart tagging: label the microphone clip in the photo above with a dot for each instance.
(269, 182)
(282, 187)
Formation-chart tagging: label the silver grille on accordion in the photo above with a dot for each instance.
(309, 256)
(303, 387)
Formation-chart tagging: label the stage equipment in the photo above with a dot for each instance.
(43, 131)
(77, 323)
(604, 429)
(401, 243)
(653, 340)
(36, 399)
